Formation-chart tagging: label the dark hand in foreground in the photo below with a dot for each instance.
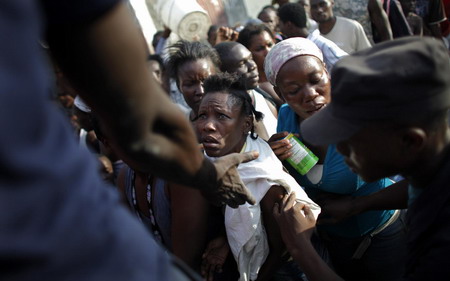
(231, 190)
(296, 221)
(214, 257)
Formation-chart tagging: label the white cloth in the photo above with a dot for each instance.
(269, 120)
(83, 136)
(312, 25)
(81, 105)
(349, 35)
(331, 52)
(245, 231)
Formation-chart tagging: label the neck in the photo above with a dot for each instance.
(300, 32)
(431, 160)
(327, 26)
(252, 96)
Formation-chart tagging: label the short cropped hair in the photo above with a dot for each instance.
(294, 13)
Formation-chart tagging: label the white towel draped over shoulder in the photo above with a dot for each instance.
(246, 234)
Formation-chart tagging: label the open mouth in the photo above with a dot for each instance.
(317, 108)
(210, 142)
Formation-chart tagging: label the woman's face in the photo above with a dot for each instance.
(260, 45)
(305, 85)
(190, 80)
(221, 127)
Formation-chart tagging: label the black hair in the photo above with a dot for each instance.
(250, 30)
(269, 7)
(223, 50)
(158, 59)
(294, 13)
(185, 51)
(229, 84)
(266, 9)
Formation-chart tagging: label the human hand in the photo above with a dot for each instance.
(231, 189)
(106, 168)
(335, 208)
(226, 34)
(280, 146)
(295, 219)
(214, 257)
(166, 32)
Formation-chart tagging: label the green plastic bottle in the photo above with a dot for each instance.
(302, 158)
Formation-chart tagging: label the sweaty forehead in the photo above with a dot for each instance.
(196, 67)
(238, 53)
(301, 65)
(219, 100)
(268, 15)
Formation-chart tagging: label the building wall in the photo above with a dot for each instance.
(255, 6)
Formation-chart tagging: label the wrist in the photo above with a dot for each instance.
(206, 177)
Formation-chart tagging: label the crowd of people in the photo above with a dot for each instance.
(124, 162)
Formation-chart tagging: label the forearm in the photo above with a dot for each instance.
(276, 245)
(272, 263)
(105, 60)
(189, 224)
(393, 197)
(380, 19)
(296, 224)
(311, 263)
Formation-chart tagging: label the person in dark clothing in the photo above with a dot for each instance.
(397, 123)
(59, 220)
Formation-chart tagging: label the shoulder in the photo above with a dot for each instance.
(325, 44)
(287, 119)
(347, 21)
(285, 110)
(331, 51)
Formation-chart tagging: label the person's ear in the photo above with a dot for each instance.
(247, 124)
(414, 139)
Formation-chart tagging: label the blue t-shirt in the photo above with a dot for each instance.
(58, 219)
(337, 178)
